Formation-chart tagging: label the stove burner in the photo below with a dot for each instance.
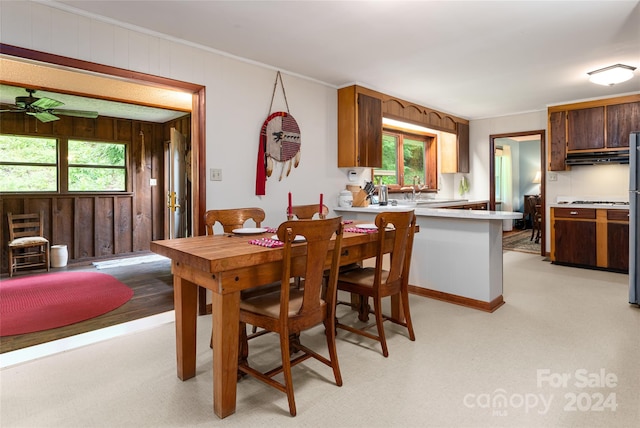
(599, 203)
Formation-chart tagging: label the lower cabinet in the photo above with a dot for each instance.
(589, 237)
(618, 240)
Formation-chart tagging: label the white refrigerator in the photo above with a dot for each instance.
(634, 217)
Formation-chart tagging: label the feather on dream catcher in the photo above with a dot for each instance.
(279, 144)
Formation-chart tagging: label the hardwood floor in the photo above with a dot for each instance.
(152, 284)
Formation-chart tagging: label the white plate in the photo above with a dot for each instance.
(298, 238)
(366, 226)
(249, 230)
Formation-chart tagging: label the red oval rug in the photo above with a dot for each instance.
(46, 301)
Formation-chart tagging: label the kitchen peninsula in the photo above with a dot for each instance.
(457, 256)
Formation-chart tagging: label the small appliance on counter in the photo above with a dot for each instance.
(383, 194)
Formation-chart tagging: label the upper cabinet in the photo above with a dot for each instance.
(622, 119)
(585, 129)
(359, 129)
(600, 125)
(455, 150)
(360, 113)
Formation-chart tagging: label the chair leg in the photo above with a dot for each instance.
(404, 295)
(286, 372)
(330, 331)
(377, 308)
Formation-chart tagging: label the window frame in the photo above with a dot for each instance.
(427, 138)
(62, 167)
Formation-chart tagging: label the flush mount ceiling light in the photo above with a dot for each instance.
(611, 75)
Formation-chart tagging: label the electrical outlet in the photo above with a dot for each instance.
(552, 176)
(153, 182)
(215, 174)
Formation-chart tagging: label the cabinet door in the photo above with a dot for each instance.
(585, 129)
(622, 119)
(558, 140)
(575, 242)
(618, 246)
(463, 147)
(369, 131)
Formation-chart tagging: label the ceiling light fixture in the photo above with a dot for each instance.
(611, 75)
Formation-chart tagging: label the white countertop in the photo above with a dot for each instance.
(437, 212)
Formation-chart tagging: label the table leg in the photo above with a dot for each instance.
(185, 300)
(225, 316)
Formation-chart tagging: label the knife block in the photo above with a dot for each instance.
(360, 199)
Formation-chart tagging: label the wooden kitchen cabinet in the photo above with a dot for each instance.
(618, 240)
(599, 125)
(455, 150)
(359, 129)
(573, 236)
(585, 129)
(590, 237)
(557, 140)
(622, 119)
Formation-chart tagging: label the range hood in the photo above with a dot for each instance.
(597, 158)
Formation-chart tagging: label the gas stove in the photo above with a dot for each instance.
(608, 203)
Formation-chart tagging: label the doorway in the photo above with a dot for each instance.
(141, 80)
(515, 178)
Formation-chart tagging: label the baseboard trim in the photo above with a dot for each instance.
(458, 300)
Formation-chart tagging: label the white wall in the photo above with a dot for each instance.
(238, 95)
(237, 98)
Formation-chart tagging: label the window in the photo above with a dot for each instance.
(95, 167)
(29, 164)
(403, 159)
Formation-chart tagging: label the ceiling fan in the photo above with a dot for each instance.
(44, 109)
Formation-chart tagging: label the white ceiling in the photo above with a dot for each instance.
(472, 59)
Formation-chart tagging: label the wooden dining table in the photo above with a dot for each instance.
(226, 265)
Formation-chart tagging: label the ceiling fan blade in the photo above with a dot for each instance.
(43, 116)
(46, 103)
(76, 113)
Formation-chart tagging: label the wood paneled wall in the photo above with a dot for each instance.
(98, 225)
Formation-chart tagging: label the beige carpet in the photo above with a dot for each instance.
(466, 369)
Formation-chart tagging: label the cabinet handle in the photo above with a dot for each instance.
(574, 213)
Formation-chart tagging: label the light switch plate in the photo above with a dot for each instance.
(215, 174)
(552, 176)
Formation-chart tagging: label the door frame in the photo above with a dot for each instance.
(543, 169)
(198, 143)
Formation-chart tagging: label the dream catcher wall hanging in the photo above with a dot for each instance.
(279, 148)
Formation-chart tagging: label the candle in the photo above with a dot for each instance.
(289, 208)
(320, 208)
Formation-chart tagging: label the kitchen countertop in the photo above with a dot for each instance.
(457, 256)
(422, 210)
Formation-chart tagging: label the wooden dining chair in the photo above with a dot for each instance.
(289, 311)
(27, 245)
(307, 212)
(377, 283)
(230, 219)
(536, 217)
(233, 218)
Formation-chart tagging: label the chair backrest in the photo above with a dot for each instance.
(25, 225)
(318, 234)
(233, 218)
(534, 207)
(404, 223)
(306, 212)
